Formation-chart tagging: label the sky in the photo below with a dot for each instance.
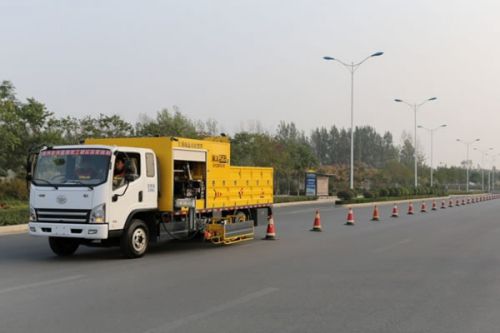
(241, 62)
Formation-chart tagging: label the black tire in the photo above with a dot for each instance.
(135, 239)
(63, 247)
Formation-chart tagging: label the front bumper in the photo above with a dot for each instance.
(86, 231)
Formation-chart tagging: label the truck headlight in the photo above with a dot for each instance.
(98, 214)
(32, 214)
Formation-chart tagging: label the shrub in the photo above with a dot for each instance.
(384, 192)
(404, 191)
(369, 194)
(291, 198)
(394, 192)
(346, 194)
(15, 215)
(14, 189)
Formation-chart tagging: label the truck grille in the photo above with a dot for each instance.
(63, 215)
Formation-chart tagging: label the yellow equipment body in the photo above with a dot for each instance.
(206, 162)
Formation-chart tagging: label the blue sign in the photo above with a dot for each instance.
(310, 184)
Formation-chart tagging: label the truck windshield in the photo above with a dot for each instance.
(72, 167)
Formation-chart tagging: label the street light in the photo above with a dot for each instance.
(352, 67)
(432, 130)
(494, 169)
(483, 154)
(415, 107)
(467, 144)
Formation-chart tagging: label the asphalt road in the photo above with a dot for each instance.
(432, 272)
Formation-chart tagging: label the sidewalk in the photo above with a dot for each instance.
(308, 202)
(13, 229)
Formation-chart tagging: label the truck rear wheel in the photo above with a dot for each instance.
(63, 247)
(135, 240)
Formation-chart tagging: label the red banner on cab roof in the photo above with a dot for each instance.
(66, 152)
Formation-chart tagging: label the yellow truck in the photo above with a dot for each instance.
(134, 191)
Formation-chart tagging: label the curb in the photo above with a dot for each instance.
(389, 202)
(13, 229)
(308, 202)
(364, 204)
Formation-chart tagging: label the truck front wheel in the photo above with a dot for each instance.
(63, 247)
(135, 239)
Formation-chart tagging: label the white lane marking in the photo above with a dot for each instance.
(218, 308)
(389, 247)
(40, 284)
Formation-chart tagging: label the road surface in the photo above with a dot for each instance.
(432, 272)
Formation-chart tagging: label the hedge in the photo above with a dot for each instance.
(14, 215)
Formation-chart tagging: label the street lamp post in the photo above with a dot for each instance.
(415, 108)
(467, 144)
(483, 154)
(494, 170)
(432, 130)
(352, 67)
(491, 172)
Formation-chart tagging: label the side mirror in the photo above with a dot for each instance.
(29, 177)
(129, 177)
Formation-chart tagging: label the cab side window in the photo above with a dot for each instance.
(127, 166)
(150, 165)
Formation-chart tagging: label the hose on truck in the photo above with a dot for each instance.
(176, 237)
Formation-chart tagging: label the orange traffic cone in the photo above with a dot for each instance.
(317, 222)
(434, 205)
(443, 204)
(410, 208)
(376, 216)
(350, 217)
(450, 203)
(395, 211)
(463, 202)
(468, 201)
(423, 207)
(271, 232)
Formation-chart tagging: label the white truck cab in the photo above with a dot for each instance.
(89, 193)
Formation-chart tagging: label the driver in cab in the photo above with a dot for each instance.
(119, 172)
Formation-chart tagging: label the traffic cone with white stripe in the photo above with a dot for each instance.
(434, 205)
(410, 208)
(395, 211)
(350, 217)
(270, 232)
(443, 204)
(423, 207)
(317, 222)
(376, 216)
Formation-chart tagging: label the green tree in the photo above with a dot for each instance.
(22, 126)
(167, 123)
